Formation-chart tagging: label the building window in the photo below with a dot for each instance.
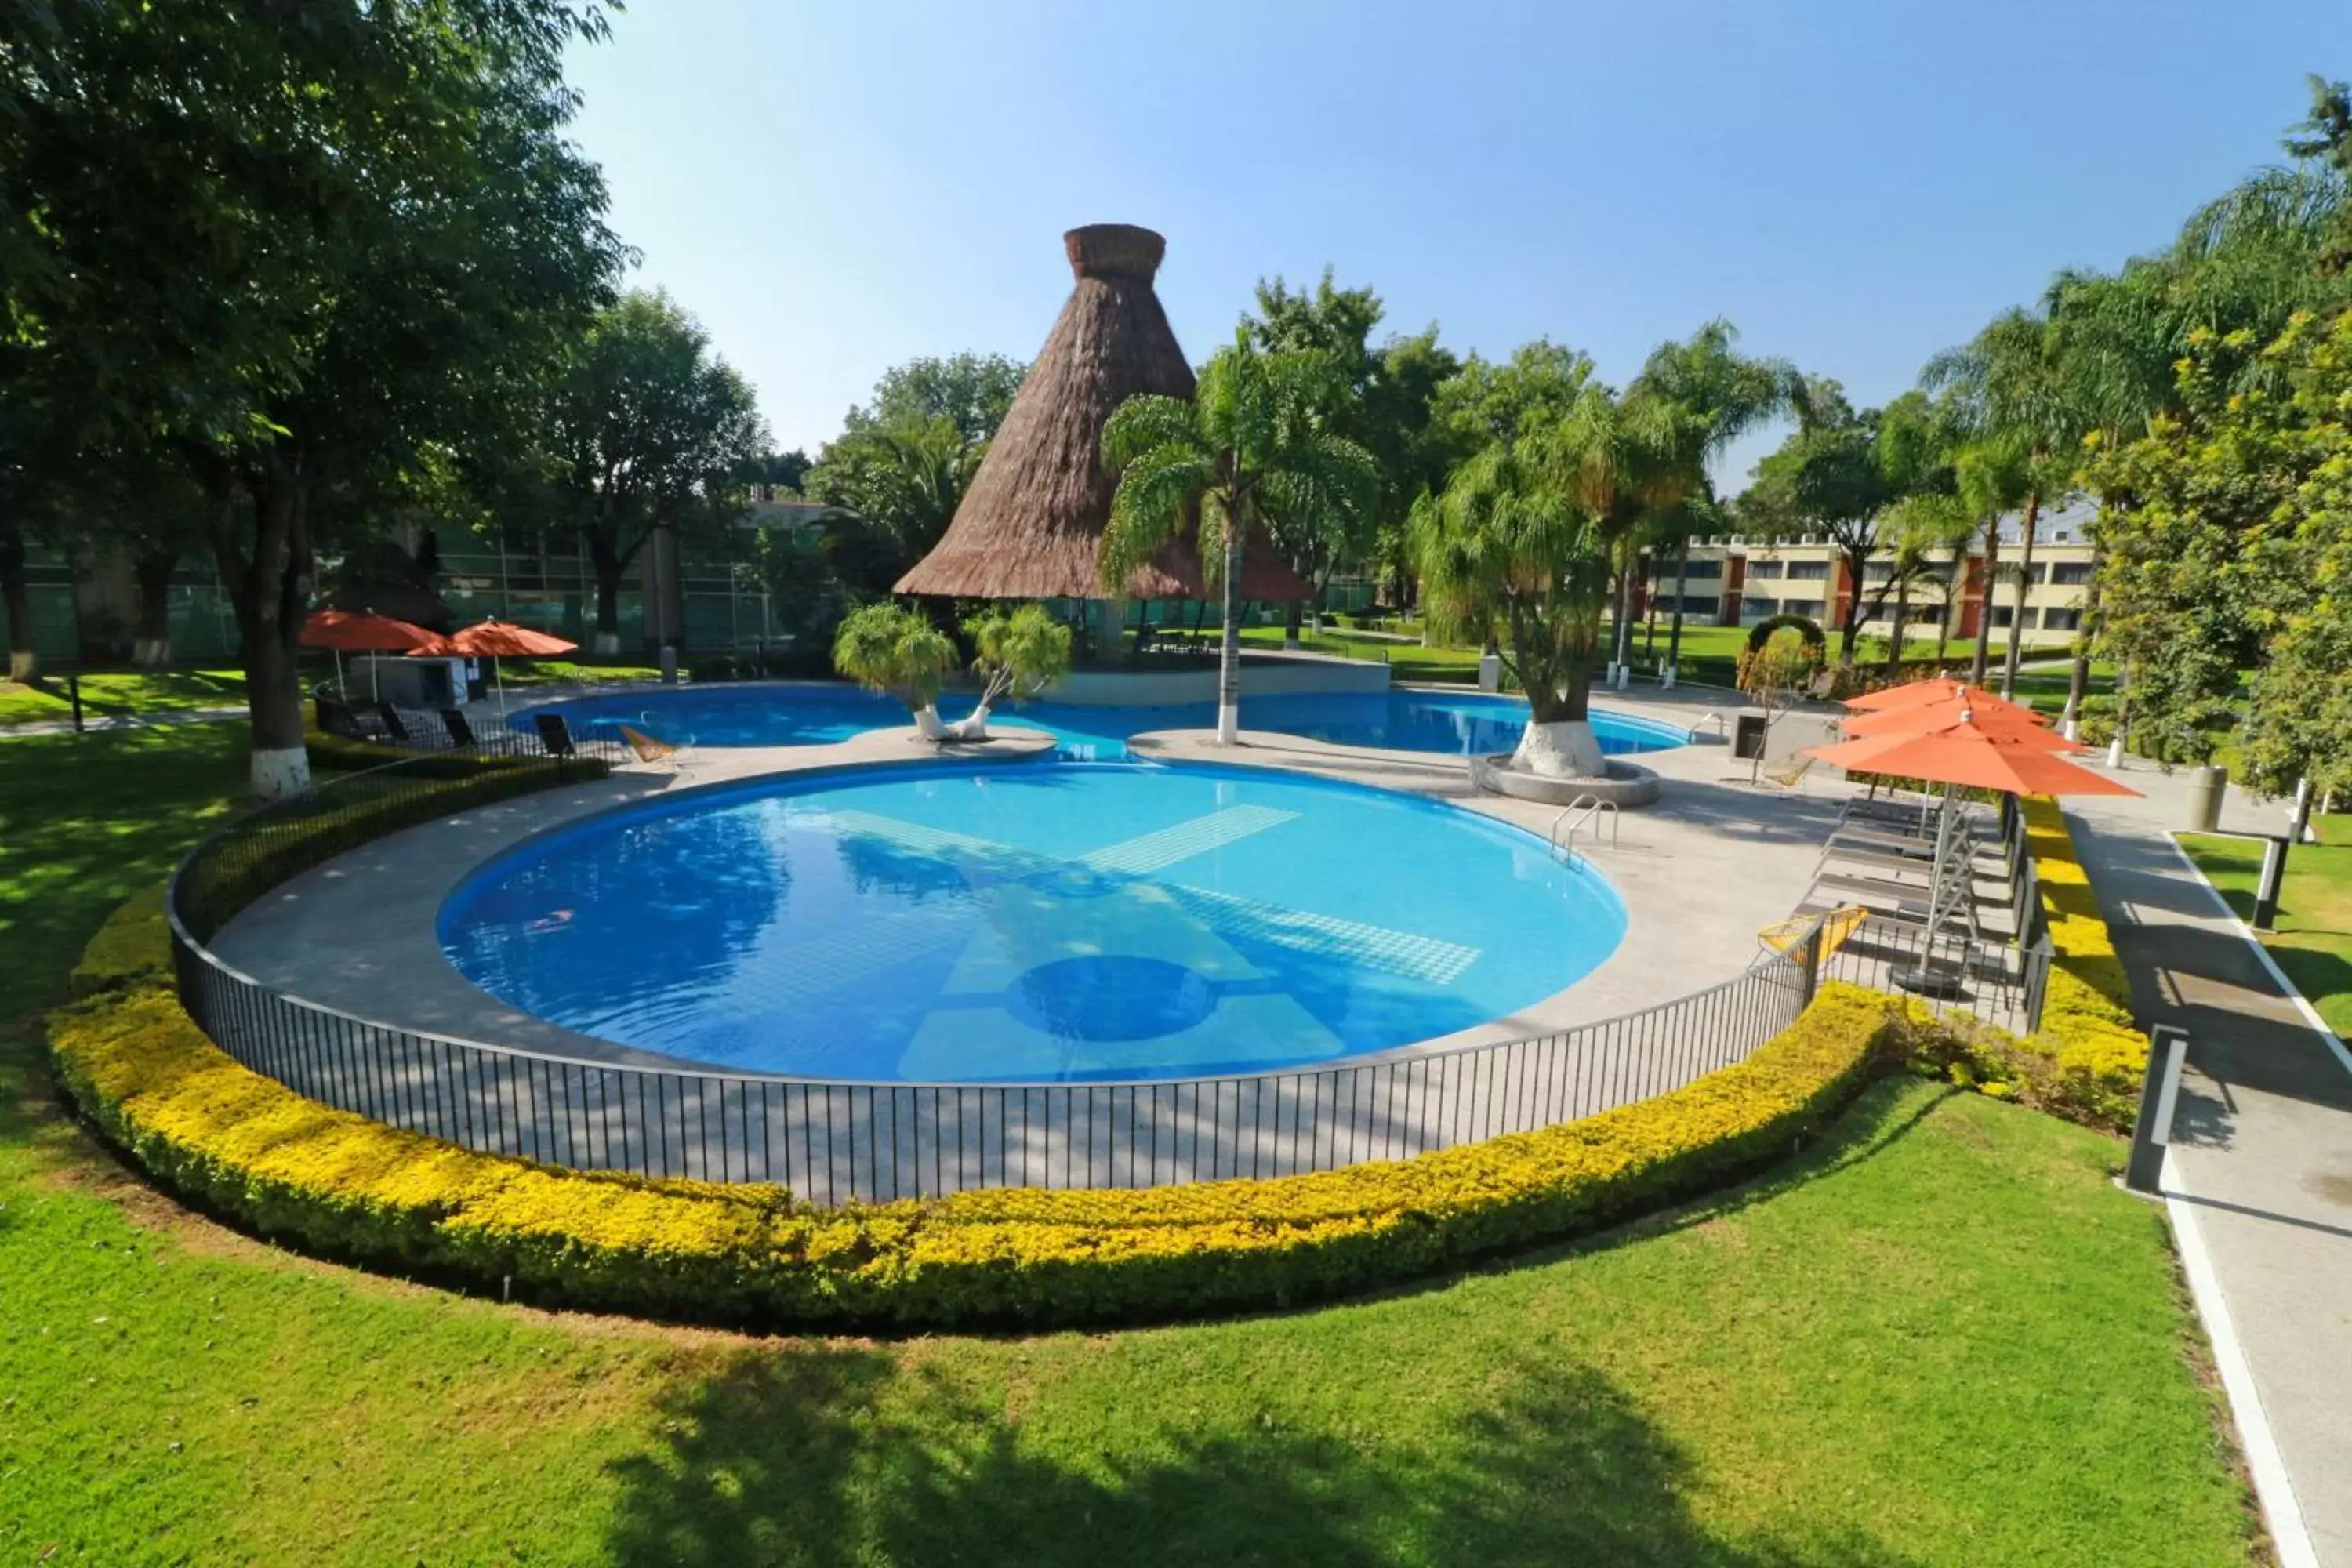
(1710, 567)
(2001, 615)
(1808, 570)
(1809, 608)
(1765, 568)
(1756, 610)
(2069, 573)
(2058, 620)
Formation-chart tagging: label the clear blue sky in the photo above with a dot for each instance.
(835, 186)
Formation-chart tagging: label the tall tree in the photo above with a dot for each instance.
(1519, 548)
(971, 391)
(1713, 395)
(894, 489)
(1826, 478)
(649, 428)
(2013, 379)
(1251, 444)
(1382, 400)
(298, 243)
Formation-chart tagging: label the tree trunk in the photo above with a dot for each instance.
(1558, 742)
(1674, 623)
(604, 556)
(1650, 611)
(17, 599)
(1984, 601)
(151, 635)
(1895, 640)
(1623, 642)
(269, 588)
(1293, 622)
(1229, 657)
(2078, 679)
(1850, 624)
(2017, 601)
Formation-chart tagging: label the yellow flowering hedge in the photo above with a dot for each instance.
(245, 1147)
(346, 754)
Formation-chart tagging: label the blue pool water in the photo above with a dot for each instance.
(1030, 922)
(1457, 723)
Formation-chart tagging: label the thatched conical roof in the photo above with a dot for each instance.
(1030, 524)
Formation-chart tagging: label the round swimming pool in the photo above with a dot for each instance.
(1457, 723)
(1029, 923)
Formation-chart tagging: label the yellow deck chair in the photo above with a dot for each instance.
(652, 752)
(1836, 927)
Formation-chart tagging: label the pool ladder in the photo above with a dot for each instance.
(1583, 809)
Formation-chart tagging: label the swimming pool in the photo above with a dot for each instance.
(1047, 921)
(1457, 723)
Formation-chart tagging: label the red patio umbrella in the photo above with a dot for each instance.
(362, 631)
(493, 640)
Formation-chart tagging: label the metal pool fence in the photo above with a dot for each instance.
(834, 1141)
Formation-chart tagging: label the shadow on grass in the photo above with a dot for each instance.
(85, 822)
(825, 1457)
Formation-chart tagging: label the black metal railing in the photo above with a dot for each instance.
(1999, 982)
(835, 1142)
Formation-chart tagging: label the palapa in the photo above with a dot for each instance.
(1030, 524)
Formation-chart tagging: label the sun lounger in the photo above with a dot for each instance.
(554, 735)
(461, 730)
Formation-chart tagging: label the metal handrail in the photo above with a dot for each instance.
(1587, 808)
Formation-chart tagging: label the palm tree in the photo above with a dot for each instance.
(1993, 482)
(1922, 529)
(1716, 396)
(891, 648)
(2013, 379)
(1517, 551)
(1249, 445)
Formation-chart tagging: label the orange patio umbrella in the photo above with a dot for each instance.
(1921, 693)
(1963, 754)
(494, 640)
(2004, 719)
(362, 631)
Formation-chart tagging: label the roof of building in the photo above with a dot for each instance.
(1030, 524)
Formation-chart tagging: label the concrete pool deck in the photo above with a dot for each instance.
(1700, 872)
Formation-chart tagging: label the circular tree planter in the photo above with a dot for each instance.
(1627, 785)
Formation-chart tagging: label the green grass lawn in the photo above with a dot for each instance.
(107, 692)
(2313, 943)
(1941, 1336)
(110, 691)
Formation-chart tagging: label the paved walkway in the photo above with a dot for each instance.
(2258, 1181)
(94, 722)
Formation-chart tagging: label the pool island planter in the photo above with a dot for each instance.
(250, 1150)
(1627, 785)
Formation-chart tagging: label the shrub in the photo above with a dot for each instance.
(343, 753)
(248, 1148)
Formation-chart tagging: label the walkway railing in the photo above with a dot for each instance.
(833, 1141)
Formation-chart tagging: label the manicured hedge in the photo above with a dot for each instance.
(346, 754)
(259, 853)
(247, 1148)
